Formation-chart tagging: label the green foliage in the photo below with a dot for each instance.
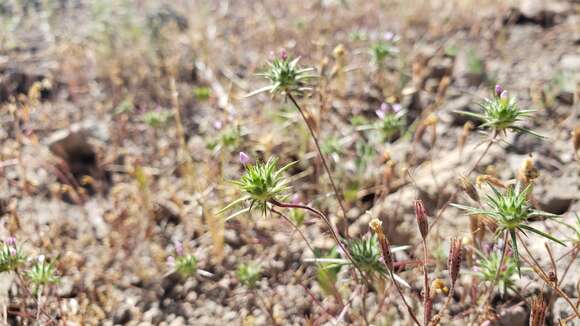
(42, 273)
(382, 50)
(249, 274)
(365, 153)
(261, 184)
(285, 76)
(11, 257)
(327, 273)
(487, 266)
(511, 212)
(366, 254)
(157, 119)
(475, 64)
(201, 93)
(228, 139)
(186, 265)
(501, 113)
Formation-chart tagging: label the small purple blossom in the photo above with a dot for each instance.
(382, 111)
(171, 261)
(498, 90)
(296, 199)
(40, 259)
(244, 158)
(396, 107)
(504, 95)
(10, 241)
(12, 251)
(283, 54)
(217, 125)
(178, 248)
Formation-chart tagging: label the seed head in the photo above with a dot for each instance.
(454, 260)
(576, 138)
(421, 216)
(376, 225)
(469, 188)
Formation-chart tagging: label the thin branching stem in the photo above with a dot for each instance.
(542, 274)
(409, 309)
(324, 163)
(287, 219)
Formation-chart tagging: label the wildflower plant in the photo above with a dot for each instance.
(249, 274)
(262, 184)
(11, 256)
(511, 213)
(184, 264)
(382, 50)
(488, 265)
(285, 76)
(392, 119)
(42, 273)
(502, 113)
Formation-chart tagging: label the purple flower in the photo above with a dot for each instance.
(12, 251)
(171, 261)
(396, 107)
(244, 158)
(296, 199)
(504, 95)
(10, 241)
(382, 110)
(217, 125)
(498, 90)
(283, 54)
(40, 259)
(178, 248)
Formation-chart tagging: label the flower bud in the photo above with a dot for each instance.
(421, 216)
(503, 95)
(178, 248)
(469, 188)
(498, 90)
(244, 158)
(10, 241)
(283, 54)
(454, 260)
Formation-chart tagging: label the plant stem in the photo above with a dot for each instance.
(326, 168)
(335, 292)
(538, 270)
(409, 309)
(501, 261)
(426, 294)
(331, 228)
(468, 173)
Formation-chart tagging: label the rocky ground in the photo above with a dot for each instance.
(91, 181)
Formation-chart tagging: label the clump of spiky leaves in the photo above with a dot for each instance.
(11, 256)
(42, 273)
(511, 212)
(501, 113)
(285, 76)
(262, 184)
(392, 119)
(249, 274)
(157, 118)
(382, 50)
(366, 254)
(488, 265)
